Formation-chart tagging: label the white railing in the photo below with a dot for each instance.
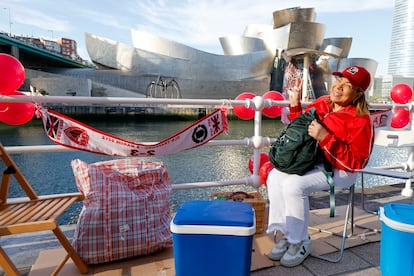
(257, 141)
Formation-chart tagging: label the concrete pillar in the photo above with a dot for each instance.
(15, 52)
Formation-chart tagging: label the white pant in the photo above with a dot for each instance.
(289, 199)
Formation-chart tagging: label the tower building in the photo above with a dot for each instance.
(401, 59)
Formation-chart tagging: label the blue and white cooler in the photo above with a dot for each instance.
(213, 237)
(397, 239)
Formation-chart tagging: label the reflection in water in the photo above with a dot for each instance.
(52, 173)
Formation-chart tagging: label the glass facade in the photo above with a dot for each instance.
(401, 60)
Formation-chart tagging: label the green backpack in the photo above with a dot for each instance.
(294, 151)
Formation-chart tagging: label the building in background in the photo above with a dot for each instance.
(63, 46)
(401, 59)
(383, 85)
(68, 47)
(51, 45)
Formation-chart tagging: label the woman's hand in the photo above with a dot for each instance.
(317, 131)
(295, 93)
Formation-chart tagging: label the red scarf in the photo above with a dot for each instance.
(68, 132)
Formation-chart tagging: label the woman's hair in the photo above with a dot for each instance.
(361, 104)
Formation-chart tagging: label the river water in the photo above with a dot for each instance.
(51, 172)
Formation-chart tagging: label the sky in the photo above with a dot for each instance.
(197, 23)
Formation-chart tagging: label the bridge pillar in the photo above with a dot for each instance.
(15, 52)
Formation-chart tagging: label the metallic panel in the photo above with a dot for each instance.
(239, 45)
(313, 38)
(344, 43)
(291, 36)
(286, 16)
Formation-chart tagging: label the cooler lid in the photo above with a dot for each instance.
(403, 213)
(215, 212)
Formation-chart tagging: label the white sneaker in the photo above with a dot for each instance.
(296, 254)
(278, 250)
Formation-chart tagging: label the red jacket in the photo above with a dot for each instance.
(350, 140)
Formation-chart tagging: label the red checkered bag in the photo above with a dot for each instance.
(126, 211)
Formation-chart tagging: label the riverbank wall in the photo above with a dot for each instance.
(140, 111)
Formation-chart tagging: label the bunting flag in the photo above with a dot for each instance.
(68, 132)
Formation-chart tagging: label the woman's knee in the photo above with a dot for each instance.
(293, 185)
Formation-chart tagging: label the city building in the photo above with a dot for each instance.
(68, 47)
(383, 85)
(401, 59)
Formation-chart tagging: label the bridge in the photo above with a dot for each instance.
(34, 57)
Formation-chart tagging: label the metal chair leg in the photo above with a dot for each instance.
(363, 197)
(365, 208)
(349, 220)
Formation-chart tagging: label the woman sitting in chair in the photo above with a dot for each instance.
(345, 135)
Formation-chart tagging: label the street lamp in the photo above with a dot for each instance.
(10, 23)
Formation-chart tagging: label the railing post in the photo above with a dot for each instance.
(258, 104)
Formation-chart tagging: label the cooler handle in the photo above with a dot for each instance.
(395, 224)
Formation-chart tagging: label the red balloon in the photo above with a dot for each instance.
(400, 117)
(264, 157)
(243, 112)
(401, 93)
(274, 111)
(264, 171)
(16, 113)
(12, 74)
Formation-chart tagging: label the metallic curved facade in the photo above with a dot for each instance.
(401, 59)
(286, 16)
(240, 45)
(248, 62)
(343, 43)
(290, 36)
(182, 62)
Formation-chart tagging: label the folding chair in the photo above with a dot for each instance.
(32, 214)
(348, 222)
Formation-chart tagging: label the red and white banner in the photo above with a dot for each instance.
(68, 132)
(381, 118)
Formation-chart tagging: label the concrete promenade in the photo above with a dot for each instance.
(359, 260)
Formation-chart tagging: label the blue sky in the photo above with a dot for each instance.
(197, 23)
